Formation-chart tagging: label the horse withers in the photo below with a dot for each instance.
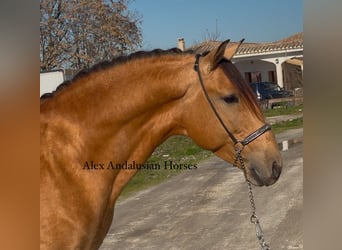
(120, 111)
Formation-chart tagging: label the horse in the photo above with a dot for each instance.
(119, 112)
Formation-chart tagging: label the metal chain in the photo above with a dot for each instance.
(254, 219)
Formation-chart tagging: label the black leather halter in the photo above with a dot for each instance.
(248, 138)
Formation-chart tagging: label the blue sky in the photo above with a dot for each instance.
(164, 21)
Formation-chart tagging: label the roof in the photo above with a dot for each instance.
(293, 42)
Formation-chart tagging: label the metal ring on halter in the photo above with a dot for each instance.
(239, 146)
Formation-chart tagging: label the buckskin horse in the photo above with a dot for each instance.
(121, 111)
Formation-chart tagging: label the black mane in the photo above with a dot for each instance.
(115, 61)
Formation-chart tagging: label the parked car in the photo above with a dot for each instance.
(269, 90)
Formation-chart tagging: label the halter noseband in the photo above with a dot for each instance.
(251, 137)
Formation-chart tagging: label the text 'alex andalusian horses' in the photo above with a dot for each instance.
(120, 111)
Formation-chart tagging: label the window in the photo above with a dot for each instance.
(248, 77)
(272, 77)
(253, 76)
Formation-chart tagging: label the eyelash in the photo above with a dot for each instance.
(231, 99)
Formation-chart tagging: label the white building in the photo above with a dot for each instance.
(51, 79)
(280, 62)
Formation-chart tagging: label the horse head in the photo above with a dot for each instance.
(223, 114)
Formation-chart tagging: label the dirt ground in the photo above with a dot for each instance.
(208, 208)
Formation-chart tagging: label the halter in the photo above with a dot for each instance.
(238, 158)
(251, 137)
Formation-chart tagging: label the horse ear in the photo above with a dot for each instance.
(216, 55)
(231, 50)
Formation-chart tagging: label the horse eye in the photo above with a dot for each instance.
(231, 99)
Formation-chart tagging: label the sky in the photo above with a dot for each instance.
(164, 21)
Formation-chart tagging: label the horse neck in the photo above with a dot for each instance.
(126, 111)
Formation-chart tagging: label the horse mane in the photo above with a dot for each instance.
(240, 83)
(114, 62)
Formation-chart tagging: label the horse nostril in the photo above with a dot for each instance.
(276, 170)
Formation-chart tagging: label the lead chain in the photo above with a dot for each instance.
(254, 219)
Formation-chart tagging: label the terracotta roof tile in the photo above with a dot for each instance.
(293, 42)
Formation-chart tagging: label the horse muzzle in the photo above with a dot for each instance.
(259, 177)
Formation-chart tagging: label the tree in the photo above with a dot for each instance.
(211, 36)
(78, 33)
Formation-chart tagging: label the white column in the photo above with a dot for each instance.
(302, 68)
(279, 71)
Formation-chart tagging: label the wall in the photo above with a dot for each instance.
(255, 66)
